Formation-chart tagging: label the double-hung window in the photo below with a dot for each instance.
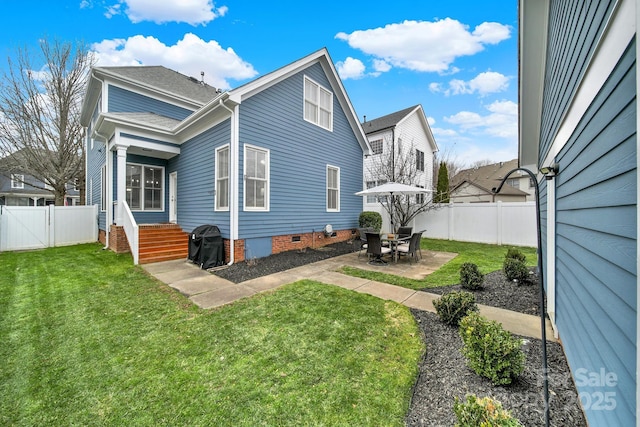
(145, 187)
(222, 178)
(333, 189)
(318, 104)
(256, 179)
(17, 181)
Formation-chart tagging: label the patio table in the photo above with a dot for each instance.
(394, 241)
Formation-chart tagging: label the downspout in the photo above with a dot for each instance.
(233, 195)
(107, 180)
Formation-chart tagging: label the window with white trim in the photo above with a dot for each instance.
(17, 181)
(145, 187)
(318, 104)
(376, 199)
(333, 189)
(256, 179)
(222, 178)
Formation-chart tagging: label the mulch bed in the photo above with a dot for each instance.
(443, 373)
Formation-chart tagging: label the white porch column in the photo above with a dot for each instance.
(121, 180)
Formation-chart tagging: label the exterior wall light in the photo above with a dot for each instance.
(550, 171)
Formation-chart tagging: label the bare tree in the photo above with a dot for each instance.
(40, 131)
(400, 163)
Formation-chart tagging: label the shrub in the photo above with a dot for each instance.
(515, 254)
(515, 269)
(452, 307)
(470, 276)
(490, 350)
(370, 219)
(482, 412)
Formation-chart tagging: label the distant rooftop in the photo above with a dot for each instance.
(385, 122)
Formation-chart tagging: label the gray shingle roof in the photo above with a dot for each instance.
(166, 80)
(488, 177)
(387, 121)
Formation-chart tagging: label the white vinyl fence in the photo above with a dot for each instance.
(500, 223)
(37, 227)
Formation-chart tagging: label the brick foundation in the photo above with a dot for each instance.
(238, 250)
(308, 240)
(118, 240)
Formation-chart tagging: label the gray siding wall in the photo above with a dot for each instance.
(124, 101)
(596, 245)
(299, 154)
(95, 160)
(567, 55)
(196, 180)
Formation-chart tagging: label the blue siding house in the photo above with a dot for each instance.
(271, 163)
(578, 112)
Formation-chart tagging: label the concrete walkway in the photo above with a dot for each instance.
(207, 290)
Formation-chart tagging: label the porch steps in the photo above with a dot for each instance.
(162, 242)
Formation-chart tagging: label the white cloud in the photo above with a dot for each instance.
(483, 84)
(194, 12)
(189, 56)
(425, 46)
(431, 121)
(381, 65)
(350, 68)
(502, 121)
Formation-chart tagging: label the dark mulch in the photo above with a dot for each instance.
(254, 268)
(502, 293)
(443, 371)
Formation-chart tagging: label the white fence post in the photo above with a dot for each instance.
(51, 226)
(499, 223)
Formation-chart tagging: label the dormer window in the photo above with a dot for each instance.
(318, 104)
(17, 181)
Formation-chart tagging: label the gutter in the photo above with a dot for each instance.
(233, 195)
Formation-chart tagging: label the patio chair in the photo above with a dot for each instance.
(375, 248)
(362, 233)
(404, 232)
(412, 248)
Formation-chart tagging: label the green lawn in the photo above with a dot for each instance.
(488, 258)
(89, 339)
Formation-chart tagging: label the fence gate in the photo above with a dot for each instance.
(36, 227)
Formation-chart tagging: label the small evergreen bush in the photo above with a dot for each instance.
(452, 307)
(484, 412)
(515, 254)
(491, 351)
(514, 269)
(470, 277)
(370, 219)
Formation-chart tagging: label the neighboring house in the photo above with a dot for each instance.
(19, 188)
(578, 109)
(271, 163)
(474, 185)
(405, 140)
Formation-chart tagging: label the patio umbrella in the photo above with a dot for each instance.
(393, 189)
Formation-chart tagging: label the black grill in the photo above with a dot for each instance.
(206, 247)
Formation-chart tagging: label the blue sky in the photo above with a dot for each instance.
(458, 59)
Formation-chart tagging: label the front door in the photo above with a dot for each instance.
(173, 197)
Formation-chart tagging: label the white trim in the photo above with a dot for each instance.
(320, 88)
(173, 197)
(267, 179)
(619, 31)
(215, 184)
(142, 187)
(550, 259)
(336, 168)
